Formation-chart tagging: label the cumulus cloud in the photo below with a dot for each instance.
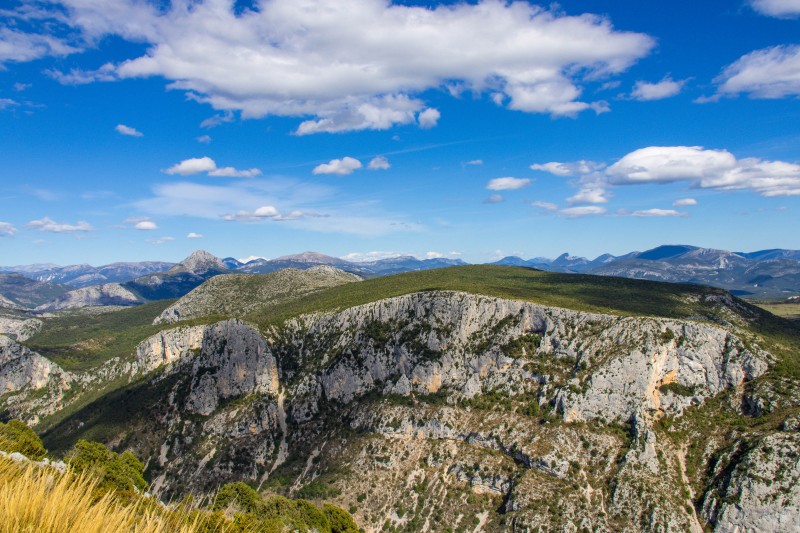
(20, 46)
(777, 8)
(7, 229)
(434, 255)
(428, 118)
(204, 139)
(644, 91)
(593, 190)
(47, 224)
(494, 199)
(339, 167)
(684, 202)
(362, 64)
(766, 73)
(658, 213)
(127, 130)
(145, 225)
(582, 211)
(193, 235)
(379, 163)
(507, 184)
(706, 169)
(197, 165)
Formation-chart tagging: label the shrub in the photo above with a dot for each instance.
(15, 436)
(116, 472)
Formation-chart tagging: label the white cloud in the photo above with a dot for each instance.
(216, 120)
(127, 130)
(7, 103)
(230, 172)
(766, 73)
(645, 91)
(7, 229)
(547, 206)
(658, 213)
(379, 163)
(428, 118)
(683, 202)
(49, 225)
(19, 46)
(474, 162)
(568, 169)
(339, 167)
(582, 211)
(19, 86)
(434, 255)
(360, 64)
(706, 169)
(777, 8)
(196, 165)
(145, 225)
(494, 199)
(193, 235)
(204, 139)
(507, 184)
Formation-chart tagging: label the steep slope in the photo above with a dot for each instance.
(222, 295)
(549, 401)
(180, 279)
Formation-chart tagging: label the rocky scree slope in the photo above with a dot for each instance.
(440, 410)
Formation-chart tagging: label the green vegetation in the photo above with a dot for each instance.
(122, 473)
(15, 436)
(580, 292)
(254, 512)
(80, 341)
(781, 309)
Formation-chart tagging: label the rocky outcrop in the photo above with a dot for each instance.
(22, 369)
(98, 295)
(759, 486)
(168, 347)
(234, 361)
(20, 328)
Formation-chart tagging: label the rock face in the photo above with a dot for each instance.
(20, 328)
(447, 409)
(22, 369)
(98, 295)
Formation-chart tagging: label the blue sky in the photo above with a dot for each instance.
(134, 130)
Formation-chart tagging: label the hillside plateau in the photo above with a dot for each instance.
(474, 398)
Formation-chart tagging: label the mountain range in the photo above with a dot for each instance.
(764, 274)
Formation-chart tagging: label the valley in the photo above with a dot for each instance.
(471, 398)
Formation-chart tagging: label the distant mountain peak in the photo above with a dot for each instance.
(198, 262)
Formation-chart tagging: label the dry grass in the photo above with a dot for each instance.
(36, 499)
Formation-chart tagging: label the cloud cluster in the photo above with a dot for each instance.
(17, 45)
(379, 163)
(48, 225)
(193, 235)
(7, 229)
(777, 8)
(646, 91)
(122, 129)
(766, 73)
(267, 212)
(696, 166)
(197, 165)
(361, 64)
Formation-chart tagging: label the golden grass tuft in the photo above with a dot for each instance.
(36, 499)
